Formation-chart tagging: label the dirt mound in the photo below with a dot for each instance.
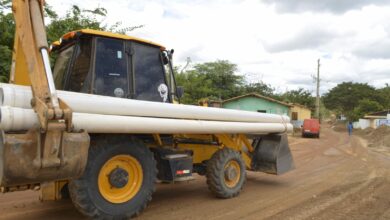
(379, 137)
(364, 132)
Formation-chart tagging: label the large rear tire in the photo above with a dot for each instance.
(226, 173)
(118, 181)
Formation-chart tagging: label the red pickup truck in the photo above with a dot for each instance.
(311, 127)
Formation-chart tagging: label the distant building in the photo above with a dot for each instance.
(375, 119)
(298, 114)
(257, 103)
(210, 103)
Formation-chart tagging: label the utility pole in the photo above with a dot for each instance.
(317, 113)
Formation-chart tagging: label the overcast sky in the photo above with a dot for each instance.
(276, 41)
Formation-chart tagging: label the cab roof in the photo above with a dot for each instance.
(71, 34)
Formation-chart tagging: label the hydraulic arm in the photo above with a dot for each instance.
(53, 151)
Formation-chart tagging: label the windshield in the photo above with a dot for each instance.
(149, 74)
(61, 65)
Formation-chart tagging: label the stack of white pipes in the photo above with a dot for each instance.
(102, 114)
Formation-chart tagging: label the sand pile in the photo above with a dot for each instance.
(379, 137)
(364, 132)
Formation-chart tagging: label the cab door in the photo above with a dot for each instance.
(149, 80)
(111, 68)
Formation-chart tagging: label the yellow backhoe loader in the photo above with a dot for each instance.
(113, 175)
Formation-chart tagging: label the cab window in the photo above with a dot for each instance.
(61, 65)
(149, 74)
(111, 78)
(80, 74)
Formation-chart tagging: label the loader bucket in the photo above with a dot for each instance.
(21, 159)
(272, 154)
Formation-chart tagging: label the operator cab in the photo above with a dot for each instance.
(108, 64)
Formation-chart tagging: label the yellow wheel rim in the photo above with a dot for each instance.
(232, 173)
(120, 178)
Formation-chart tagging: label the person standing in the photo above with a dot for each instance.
(350, 127)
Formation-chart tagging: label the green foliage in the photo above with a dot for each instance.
(214, 80)
(259, 88)
(221, 74)
(75, 19)
(347, 98)
(300, 96)
(384, 94)
(218, 81)
(5, 61)
(7, 28)
(364, 106)
(196, 86)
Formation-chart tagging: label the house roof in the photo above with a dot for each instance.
(378, 115)
(257, 96)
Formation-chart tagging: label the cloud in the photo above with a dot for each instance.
(375, 50)
(308, 38)
(332, 6)
(278, 48)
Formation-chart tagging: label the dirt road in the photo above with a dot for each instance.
(336, 177)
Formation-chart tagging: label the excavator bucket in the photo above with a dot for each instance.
(22, 159)
(272, 154)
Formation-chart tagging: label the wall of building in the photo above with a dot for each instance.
(255, 104)
(303, 113)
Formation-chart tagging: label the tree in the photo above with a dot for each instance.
(214, 80)
(76, 18)
(300, 96)
(364, 107)
(225, 83)
(259, 88)
(384, 94)
(7, 28)
(345, 97)
(196, 86)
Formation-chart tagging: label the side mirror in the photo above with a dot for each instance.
(180, 91)
(165, 58)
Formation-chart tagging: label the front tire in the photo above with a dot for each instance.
(118, 181)
(226, 174)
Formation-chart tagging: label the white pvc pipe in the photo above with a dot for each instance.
(16, 119)
(20, 96)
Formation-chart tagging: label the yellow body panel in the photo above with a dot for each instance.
(111, 35)
(201, 153)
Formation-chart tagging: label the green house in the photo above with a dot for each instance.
(257, 103)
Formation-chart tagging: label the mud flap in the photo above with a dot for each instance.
(272, 154)
(21, 159)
